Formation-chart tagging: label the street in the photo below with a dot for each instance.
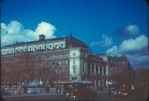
(29, 97)
(101, 96)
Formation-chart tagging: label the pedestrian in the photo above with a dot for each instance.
(60, 89)
(93, 92)
(45, 88)
(19, 89)
(98, 88)
(25, 89)
(2, 90)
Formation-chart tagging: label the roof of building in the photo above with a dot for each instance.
(69, 39)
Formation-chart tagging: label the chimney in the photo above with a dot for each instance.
(41, 37)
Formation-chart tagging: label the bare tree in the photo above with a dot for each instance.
(142, 75)
(21, 66)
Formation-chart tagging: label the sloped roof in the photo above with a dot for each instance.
(69, 39)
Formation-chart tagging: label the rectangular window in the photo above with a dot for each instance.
(74, 62)
(47, 56)
(74, 70)
(66, 70)
(66, 62)
(73, 54)
(60, 63)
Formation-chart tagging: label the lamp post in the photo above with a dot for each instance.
(56, 67)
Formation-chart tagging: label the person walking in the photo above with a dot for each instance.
(60, 89)
(19, 89)
(25, 89)
(47, 88)
(2, 90)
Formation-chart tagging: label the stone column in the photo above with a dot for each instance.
(99, 83)
(107, 69)
(83, 67)
(98, 68)
(90, 69)
(94, 69)
(95, 83)
(102, 70)
(86, 68)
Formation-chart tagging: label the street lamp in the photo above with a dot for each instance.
(20, 76)
(56, 67)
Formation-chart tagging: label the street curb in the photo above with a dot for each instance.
(23, 95)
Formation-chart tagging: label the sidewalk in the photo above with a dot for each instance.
(104, 91)
(22, 95)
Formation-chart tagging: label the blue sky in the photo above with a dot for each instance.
(111, 26)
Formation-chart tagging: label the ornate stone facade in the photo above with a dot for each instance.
(66, 55)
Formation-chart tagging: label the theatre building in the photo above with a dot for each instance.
(64, 58)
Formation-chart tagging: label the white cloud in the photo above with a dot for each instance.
(131, 46)
(14, 27)
(3, 29)
(46, 29)
(127, 31)
(106, 41)
(134, 44)
(138, 60)
(132, 29)
(114, 51)
(15, 31)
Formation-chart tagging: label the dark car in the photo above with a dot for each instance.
(79, 90)
(112, 89)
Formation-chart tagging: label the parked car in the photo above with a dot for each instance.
(9, 84)
(112, 89)
(79, 90)
(35, 83)
(122, 90)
